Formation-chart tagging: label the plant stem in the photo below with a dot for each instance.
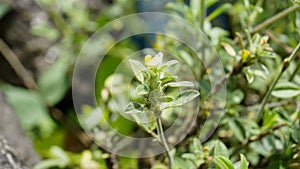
(270, 20)
(284, 66)
(17, 66)
(203, 14)
(274, 18)
(163, 140)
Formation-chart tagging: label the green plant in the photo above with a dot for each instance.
(154, 82)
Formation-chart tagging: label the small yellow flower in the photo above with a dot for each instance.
(147, 58)
(245, 55)
(205, 149)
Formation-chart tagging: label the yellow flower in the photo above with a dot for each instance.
(147, 58)
(245, 55)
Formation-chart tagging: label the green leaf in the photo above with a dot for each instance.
(4, 8)
(169, 63)
(221, 9)
(220, 149)
(249, 75)
(30, 108)
(285, 89)
(180, 84)
(168, 79)
(237, 96)
(197, 146)
(284, 94)
(54, 82)
(134, 108)
(237, 129)
(137, 68)
(157, 60)
(189, 156)
(180, 163)
(142, 90)
(244, 163)
(223, 163)
(182, 99)
(270, 118)
(166, 98)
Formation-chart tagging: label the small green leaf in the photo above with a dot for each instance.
(182, 99)
(157, 60)
(134, 108)
(180, 84)
(249, 75)
(244, 163)
(220, 149)
(168, 79)
(285, 89)
(237, 129)
(169, 63)
(54, 83)
(197, 146)
(142, 90)
(30, 109)
(284, 94)
(189, 156)
(223, 163)
(166, 99)
(137, 68)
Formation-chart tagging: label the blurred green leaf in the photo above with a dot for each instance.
(180, 84)
(54, 82)
(237, 129)
(4, 8)
(244, 162)
(221, 9)
(30, 108)
(183, 98)
(223, 163)
(138, 68)
(220, 149)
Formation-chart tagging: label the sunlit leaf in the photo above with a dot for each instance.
(157, 60)
(183, 98)
(223, 163)
(284, 94)
(137, 68)
(134, 108)
(180, 84)
(244, 163)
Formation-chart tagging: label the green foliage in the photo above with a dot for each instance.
(254, 51)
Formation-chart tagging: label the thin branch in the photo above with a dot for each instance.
(284, 66)
(270, 105)
(274, 18)
(163, 140)
(263, 134)
(270, 21)
(287, 48)
(18, 67)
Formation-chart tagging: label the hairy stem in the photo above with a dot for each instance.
(164, 142)
(283, 67)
